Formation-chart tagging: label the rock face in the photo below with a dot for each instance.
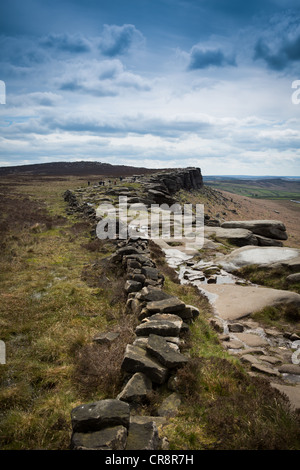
(160, 187)
(233, 302)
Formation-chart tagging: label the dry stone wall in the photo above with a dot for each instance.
(151, 360)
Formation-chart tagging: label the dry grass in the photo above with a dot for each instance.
(231, 410)
(48, 312)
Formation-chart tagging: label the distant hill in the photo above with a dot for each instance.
(74, 169)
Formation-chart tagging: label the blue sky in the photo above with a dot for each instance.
(155, 83)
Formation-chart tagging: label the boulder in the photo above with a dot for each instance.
(266, 228)
(106, 338)
(264, 369)
(293, 369)
(236, 236)
(98, 415)
(295, 277)
(136, 359)
(264, 241)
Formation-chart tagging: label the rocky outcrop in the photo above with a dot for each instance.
(161, 187)
(266, 232)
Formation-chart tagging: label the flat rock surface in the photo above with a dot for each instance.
(233, 302)
(260, 255)
(251, 339)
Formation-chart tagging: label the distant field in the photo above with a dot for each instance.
(259, 189)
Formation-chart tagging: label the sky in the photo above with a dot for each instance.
(155, 83)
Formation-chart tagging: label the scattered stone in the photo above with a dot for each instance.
(113, 438)
(256, 351)
(233, 344)
(217, 324)
(223, 337)
(251, 339)
(272, 332)
(127, 250)
(137, 389)
(294, 337)
(98, 415)
(235, 327)
(266, 228)
(289, 369)
(265, 370)
(271, 360)
(293, 278)
(249, 358)
(106, 338)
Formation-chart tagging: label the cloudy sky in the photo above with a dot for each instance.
(155, 83)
